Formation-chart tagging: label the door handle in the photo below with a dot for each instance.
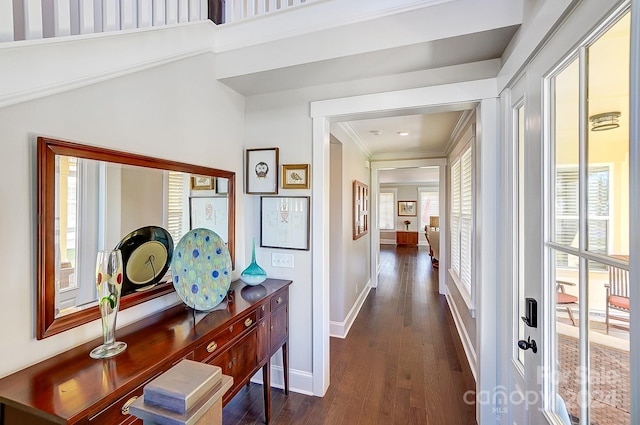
(529, 343)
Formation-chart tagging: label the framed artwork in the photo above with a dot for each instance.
(284, 222)
(295, 176)
(261, 173)
(222, 185)
(210, 213)
(202, 183)
(360, 209)
(407, 208)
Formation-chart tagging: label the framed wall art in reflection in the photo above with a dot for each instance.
(261, 171)
(202, 183)
(295, 176)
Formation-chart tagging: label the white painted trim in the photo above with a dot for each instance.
(341, 329)
(467, 344)
(410, 98)
(114, 54)
(634, 213)
(320, 255)
(464, 292)
(300, 382)
(355, 137)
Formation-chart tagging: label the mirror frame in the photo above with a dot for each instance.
(47, 322)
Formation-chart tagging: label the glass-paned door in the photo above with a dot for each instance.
(588, 245)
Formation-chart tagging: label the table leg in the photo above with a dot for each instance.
(266, 384)
(285, 366)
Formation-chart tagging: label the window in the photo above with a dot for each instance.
(387, 212)
(429, 206)
(598, 205)
(462, 217)
(175, 204)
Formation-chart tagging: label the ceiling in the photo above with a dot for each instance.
(432, 42)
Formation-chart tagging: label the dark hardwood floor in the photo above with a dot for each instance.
(402, 362)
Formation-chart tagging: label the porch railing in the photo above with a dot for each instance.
(38, 19)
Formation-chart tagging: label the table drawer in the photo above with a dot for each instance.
(118, 412)
(279, 300)
(215, 343)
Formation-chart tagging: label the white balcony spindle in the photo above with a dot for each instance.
(110, 15)
(262, 7)
(128, 14)
(204, 11)
(272, 5)
(194, 10)
(183, 11)
(61, 18)
(145, 13)
(171, 12)
(32, 19)
(252, 7)
(86, 14)
(6, 21)
(159, 12)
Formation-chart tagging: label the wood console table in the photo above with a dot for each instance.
(406, 238)
(72, 388)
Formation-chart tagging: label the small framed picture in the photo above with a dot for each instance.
(222, 185)
(261, 171)
(202, 183)
(407, 208)
(295, 176)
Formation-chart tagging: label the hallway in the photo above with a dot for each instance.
(402, 362)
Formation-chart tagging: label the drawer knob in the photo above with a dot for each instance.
(248, 322)
(125, 407)
(279, 300)
(212, 347)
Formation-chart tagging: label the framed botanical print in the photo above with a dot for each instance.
(261, 171)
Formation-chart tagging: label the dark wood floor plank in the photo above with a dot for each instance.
(402, 362)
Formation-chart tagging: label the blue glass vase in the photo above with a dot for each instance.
(254, 274)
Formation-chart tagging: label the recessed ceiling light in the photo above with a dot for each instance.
(376, 132)
(403, 133)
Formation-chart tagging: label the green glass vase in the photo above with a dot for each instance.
(254, 274)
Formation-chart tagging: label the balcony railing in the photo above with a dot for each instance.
(38, 19)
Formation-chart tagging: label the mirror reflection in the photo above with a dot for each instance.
(92, 198)
(100, 204)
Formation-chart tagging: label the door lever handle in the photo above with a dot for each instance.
(529, 343)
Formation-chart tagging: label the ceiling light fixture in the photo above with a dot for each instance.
(403, 133)
(605, 121)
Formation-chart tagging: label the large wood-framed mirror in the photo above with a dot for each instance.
(92, 198)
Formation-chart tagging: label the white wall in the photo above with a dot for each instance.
(356, 253)
(175, 111)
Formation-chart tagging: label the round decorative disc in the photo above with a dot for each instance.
(201, 269)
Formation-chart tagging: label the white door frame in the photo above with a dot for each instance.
(322, 112)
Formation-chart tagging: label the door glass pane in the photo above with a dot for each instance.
(609, 363)
(520, 230)
(608, 141)
(567, 377)
(566, 127)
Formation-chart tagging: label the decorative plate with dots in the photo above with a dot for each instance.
(201, 269)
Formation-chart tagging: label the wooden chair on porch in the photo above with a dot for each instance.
(617, 293)
(566, 300)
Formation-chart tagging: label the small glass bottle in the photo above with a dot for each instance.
(254, 274)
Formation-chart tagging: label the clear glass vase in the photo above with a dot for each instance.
(109, 285)
(254, 274)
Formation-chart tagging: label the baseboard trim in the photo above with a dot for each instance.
(300, 382)
(464, 336)
(341, 329)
